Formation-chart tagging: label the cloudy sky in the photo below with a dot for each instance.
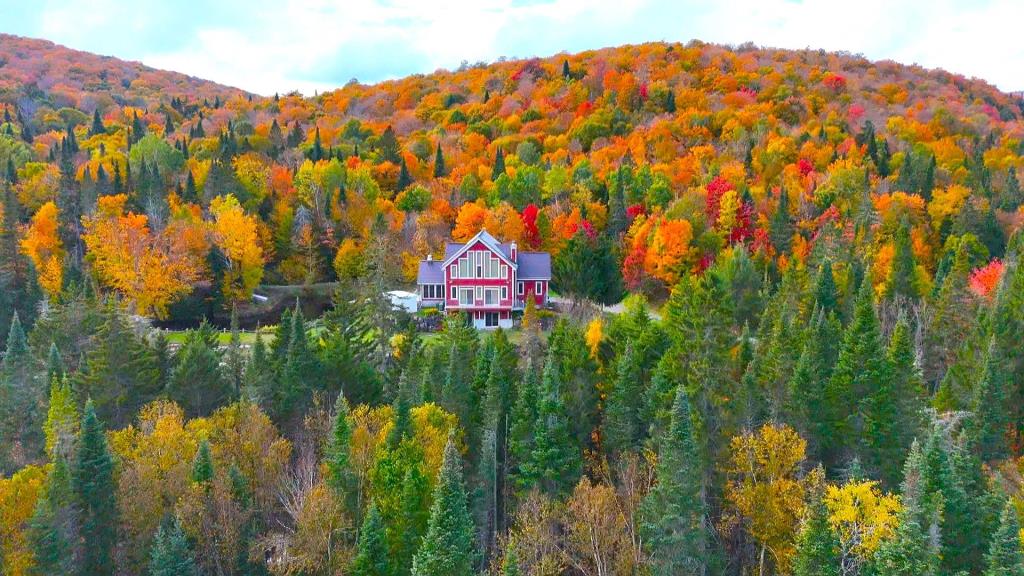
(268, 46)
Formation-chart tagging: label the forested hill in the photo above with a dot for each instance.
(833, 384)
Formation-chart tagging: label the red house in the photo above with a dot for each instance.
(486, 278)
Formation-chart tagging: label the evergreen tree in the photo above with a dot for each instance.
(338, 452)
(806, 390)
(54, 364)
(903, 274)
(439, 170)
(817, 548)
(623, 427)
(484, 498)
(510, 562)
(826, 295)
(62, 419)
(1005, 557)
(414, 506)
(387, 147)
(202, 464)
(21, 397)
(565, 70)
(97, 124)
(96, 497)
(404, 178)
(234, 358)
(171, 555)
(858, 388)
(674, 510)
(197, 381)
(781, 226)
(992, 417)
(499, 165)
(447, 547)
(372, 558)
(521, 422)
(618, 220)
(1012, 196)
(258, 379)
(554, 462)
(52, 531)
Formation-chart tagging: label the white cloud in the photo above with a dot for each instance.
(272, 46)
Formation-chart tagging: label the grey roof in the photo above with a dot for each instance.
(431, 272)
(534, 266)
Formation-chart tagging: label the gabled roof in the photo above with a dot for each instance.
(431, 272)
(487, 240)
(534, 266)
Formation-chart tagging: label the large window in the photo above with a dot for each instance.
(493, 267)
(465, 297)
(491, 297)
(464, 267)
(433, 291)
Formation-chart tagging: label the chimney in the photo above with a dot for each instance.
(515, 253)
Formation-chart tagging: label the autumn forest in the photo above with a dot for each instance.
(786, 338)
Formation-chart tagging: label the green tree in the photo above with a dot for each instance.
(171, 555)
(499, 165)
(338, 451)
(197, 381)
(674, 510)
(96, 498)
(372, 558)
(439, 170)
(202, 464)
(52, 531)
(780, 225)
(623, 427)
(1005, 557)
(903, 273)
(554, 463)
(992, 418)
(817, 548)
(447, 547)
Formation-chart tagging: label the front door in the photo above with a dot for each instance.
(491, 319)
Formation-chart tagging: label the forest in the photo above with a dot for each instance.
(813, 366)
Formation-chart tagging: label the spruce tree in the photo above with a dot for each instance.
(95, 494)
(338, 452)
(62, 419)
(826, 295)
(258, 378)
(674, 510)
(807, 408)
(447, 547)
(439, 170)
(554, 462)
(817, 548)
(623, 427)
(1005, 557)
(499, 165)
(97, 124)
(404, 178)
(857, 387)
(903, 272)
(372, 558)
(197, 381)
(171, 555)
(52, 530)
(521, 422)
(202, 464)
(234, 359)
(781, 226)
(991, 418)
(415, 514)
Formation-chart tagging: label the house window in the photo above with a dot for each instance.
(464, 267)
(493, 267)
(491, 320)
(428, 291)
(479, 264)
(479, 293)
(455, 271)
(521, 288)
(491, 297)
(504, 292)
(536, 288)
(504, 271)
(454, 293)
(466, 297)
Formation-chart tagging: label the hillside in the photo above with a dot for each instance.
(833, 381)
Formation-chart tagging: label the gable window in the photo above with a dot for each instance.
(479, 264)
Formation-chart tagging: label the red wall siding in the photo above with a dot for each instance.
(453, 303)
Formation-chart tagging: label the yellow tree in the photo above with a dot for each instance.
(43, 246)
(149, 270)
(764, 494)
(235, 234)
(862, 517)
(18, 496)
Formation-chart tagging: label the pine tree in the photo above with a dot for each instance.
(372, 558)
(521, 422)
(96, 497)
(618, 220)
(171, 555)
(202, 464)
(991, 417)
(674, 510)
(781, 226)
(903, 273)
(447, 547)
(439, 170)
(387, 147)
(97, 124)
(1005, 557)
(484, 496)
(258, 378)
(414, 506)
(565, 70)
(21, 396)
(806, 389)
(623, 427)
(853, 389)
(404, 178)
(52, 531)
(168, 126)
(817, 548)
(54, 364)
(62, 419)
(826, 295)
(554, 463)
(499, 165)
(338, 452)
(197, 381)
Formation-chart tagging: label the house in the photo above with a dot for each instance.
(486, 278)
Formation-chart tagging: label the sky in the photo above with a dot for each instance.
(268, 46)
